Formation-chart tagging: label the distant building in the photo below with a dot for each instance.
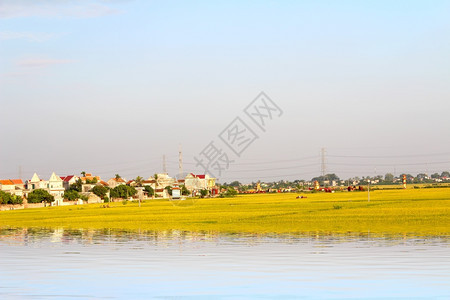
(159, 182)
(56, 186)
(35, 183)
(88, 178)
(69, 180)
(113, 182)
(12, 186)
(195, 183)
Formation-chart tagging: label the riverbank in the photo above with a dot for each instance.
(420, 212)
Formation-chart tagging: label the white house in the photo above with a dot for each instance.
(159, 184)
(35, 183)
(199, 182)
(56, 186)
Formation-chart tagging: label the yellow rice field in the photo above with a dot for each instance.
(419, 212)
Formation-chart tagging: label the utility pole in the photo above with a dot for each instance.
(180, 161)
(322, 156)
(368, 191)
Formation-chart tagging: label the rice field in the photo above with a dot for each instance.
(417, 212)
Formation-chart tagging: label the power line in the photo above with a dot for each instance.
(262, 162)
(390, 165)
(271, 169)
(390, 156)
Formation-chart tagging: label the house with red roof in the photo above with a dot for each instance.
(69, 180)
(198, 182)
(12, 186)
(6, 185)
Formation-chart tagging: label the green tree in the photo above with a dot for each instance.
(139, 181)
(123, 191)
(7, 198)
(169, 189)
(76, 186)
(445, 174)
(92, 181)
(100, 191)
(184, 190)
(235, 184)
(204, 193)
(150, 191)
(71, 195)
(156, 180)
(327, 177)
(83, 173)
(230, 192)
(39, 195)
(118, 176)
(389, 177)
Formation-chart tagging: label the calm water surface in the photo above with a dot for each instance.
(58, 264)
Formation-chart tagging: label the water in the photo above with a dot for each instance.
(58, 264)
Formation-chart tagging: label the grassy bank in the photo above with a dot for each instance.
(419, 212)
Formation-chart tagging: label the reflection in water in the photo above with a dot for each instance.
(62, 263)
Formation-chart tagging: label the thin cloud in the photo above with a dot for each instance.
(42, 62)
(28, 36)
(41, 8)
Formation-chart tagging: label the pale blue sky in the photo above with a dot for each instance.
(110, 86)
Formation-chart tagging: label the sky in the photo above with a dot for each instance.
(109, 87)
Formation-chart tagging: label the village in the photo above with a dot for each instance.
(88, 188)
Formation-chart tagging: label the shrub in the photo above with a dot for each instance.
(71, 195)
(203, 193)
(230, 192)
(100, 191)
(123, 191)
(39, 195)
(6, 198)
(150, 191)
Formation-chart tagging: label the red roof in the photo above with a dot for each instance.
(198, 176)
(17, 181)
(67, 178)
(6, 182)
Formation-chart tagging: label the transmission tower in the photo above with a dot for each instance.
(180, 161)
(323, 164)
